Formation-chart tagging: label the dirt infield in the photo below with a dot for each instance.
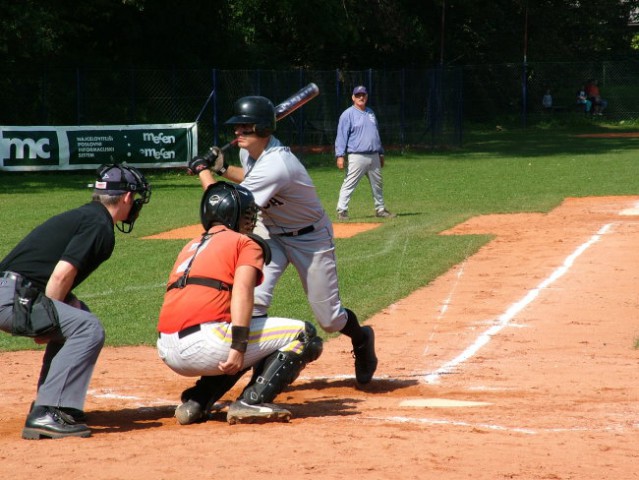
(341, 230)
(519, 363)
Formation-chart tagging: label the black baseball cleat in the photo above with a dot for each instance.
(242, 412)
(51, 422)
(365, 358)
(189, 412)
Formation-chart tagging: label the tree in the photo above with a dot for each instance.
(318, 34)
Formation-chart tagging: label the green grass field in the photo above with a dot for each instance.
(494, 172)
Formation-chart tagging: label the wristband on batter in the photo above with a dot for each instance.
(239, 338)
(222, 170)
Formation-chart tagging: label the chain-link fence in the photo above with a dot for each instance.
(513, 92)
(414, 107)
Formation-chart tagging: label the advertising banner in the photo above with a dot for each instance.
(88, 147)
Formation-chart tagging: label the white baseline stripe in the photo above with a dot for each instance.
(446, 304)
(528, 431)
(514, 309)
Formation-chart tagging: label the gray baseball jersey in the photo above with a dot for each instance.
(282, 188)
(297, 229)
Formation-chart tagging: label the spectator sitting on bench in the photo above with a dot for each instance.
(598, 103)
(582, 99)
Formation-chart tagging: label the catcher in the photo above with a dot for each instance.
(205, 325)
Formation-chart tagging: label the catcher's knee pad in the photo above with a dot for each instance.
(313, 345)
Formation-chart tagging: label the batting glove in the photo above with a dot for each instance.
(198, 164)
(218, 162)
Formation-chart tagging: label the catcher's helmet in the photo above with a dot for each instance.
(228, 204)
(255, 110)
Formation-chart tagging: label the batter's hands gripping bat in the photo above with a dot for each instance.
(283, 110)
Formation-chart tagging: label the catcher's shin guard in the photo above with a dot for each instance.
(280, 369)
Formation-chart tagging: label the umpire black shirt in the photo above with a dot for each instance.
(84, 237)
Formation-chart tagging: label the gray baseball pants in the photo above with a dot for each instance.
(69, 358)
(358, 166)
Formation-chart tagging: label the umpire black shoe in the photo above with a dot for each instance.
(78, 416)
(365, 358)
(51, 422)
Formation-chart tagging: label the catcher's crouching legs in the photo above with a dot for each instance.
(270, 377)
(197, 400)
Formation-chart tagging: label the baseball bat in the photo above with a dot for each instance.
(295, 101)
(288, 106)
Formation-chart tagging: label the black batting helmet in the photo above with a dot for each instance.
(230, 205)
(254, 110)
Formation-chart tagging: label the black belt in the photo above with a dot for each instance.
(297, 233)
(189, 330)
(185, 332)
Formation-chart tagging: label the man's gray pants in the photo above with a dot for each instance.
(360, 165)
(69, 358)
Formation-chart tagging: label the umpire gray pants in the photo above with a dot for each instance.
(69, 358)
(360, 164)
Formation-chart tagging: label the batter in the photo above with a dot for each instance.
(292, 221)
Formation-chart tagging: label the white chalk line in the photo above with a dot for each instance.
(139, 401)
(145, 404)
(446, 303)
(505, 318)
(489, 426)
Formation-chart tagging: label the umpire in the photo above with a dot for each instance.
(36, 282)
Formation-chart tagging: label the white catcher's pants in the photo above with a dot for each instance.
(199, 353)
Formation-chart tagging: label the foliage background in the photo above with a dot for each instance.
(319, 34)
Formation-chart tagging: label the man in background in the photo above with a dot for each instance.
(358, 137)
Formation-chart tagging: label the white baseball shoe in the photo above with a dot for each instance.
(242, 412)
